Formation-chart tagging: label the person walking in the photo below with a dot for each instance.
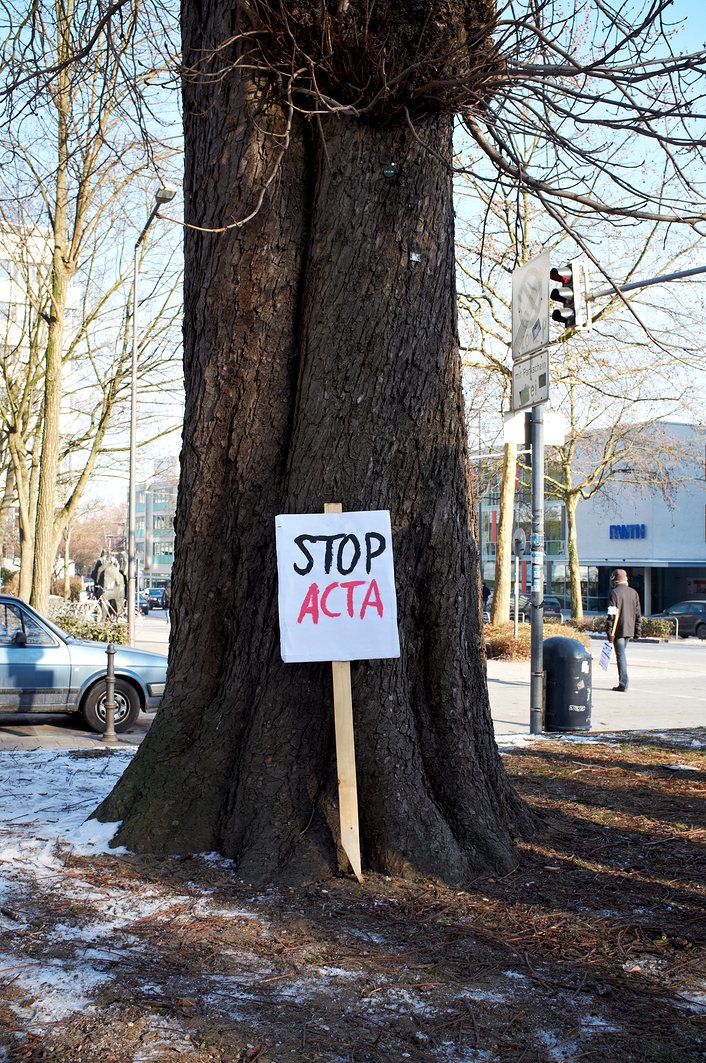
(624, 621)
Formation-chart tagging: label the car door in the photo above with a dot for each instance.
(681, 613)
(35, 665)
(697, 617)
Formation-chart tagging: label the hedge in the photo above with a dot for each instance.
(501, 644)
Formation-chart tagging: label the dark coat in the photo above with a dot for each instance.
(630, 619)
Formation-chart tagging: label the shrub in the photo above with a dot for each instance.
(75, 587)
(657, 627)
(652, 626)
(81, 627)
(9, 580)
(500, 641)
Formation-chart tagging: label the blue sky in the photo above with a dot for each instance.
(694, 32)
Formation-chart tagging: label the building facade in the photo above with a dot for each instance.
(155, 507)
(657, 535)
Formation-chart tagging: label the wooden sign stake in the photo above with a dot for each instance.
(345, 751)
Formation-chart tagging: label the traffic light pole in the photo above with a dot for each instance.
(683, 274)
(537, 548)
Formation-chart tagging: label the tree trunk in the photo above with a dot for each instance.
(572, 548)
(321, 365)
(503, 547)
(67, 562)
(44, 541)
(44, 538)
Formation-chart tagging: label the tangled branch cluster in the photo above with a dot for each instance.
(376, 60)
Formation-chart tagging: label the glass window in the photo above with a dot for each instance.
(14, 619)
(163, 552)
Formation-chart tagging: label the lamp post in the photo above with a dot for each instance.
(164, 194)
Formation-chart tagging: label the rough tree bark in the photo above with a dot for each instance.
(321, 365)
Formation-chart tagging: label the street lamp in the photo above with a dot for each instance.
(164, 194)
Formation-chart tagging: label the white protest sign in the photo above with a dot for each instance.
(606, 653)
(337, 599)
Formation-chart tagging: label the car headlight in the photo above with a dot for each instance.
(156, 690)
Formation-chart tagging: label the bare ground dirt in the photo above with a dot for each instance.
(593, 949)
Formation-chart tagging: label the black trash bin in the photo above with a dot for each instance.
(568, 685)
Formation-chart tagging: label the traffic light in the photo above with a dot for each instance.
(570, 292)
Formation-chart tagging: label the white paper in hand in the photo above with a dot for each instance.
(606, 654)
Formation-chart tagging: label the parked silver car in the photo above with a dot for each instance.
(43, 669)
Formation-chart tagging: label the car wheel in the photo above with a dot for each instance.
(127, 706)
(701, 631)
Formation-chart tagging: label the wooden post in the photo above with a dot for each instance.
(345, 751)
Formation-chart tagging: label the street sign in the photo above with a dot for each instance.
(519, 540)
(530, 381)
(530, 306)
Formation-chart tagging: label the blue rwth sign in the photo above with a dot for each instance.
(628, 531)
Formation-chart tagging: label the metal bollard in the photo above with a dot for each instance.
(109, 735)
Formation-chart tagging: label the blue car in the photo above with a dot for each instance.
(42, 669)
(155, 597)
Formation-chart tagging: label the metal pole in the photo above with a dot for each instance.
(164, 194)
(647, 282)
(109, 735)
(517, 592)
(131, 580)
(537, 545)
(131, 573)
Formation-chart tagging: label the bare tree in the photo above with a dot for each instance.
(73, 149)
(76, 155)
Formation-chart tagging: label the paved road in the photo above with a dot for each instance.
(667, 690)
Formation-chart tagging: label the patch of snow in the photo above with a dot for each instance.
(56, 790)
(595, 1024)
(512, 739)
(487, 996)
(161, 1036)
(388, 998)
(515, 974)
(652, 965)
(216, 860)
(93, 837)
(341, 972)
(448, 1052)
(694, 1001)
(54, 989)
(558, 1048)
(367, 935)
(203, 906)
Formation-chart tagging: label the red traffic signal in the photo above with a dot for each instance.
(565, 314)
(563, 275)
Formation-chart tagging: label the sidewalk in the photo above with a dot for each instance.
(667, 690)
(152, 632)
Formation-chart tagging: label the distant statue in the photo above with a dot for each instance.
(97, 575)
(113, 597)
